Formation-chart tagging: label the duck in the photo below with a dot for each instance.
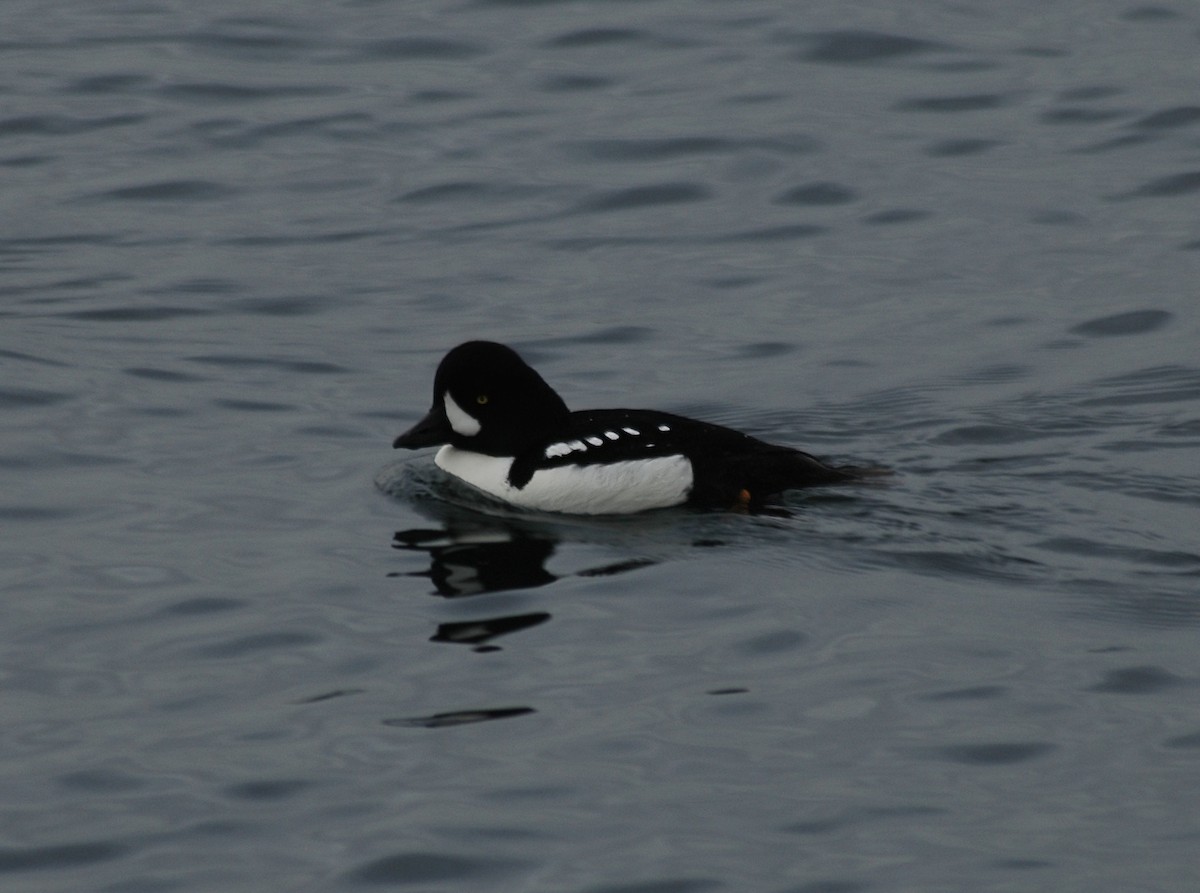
(504, 431)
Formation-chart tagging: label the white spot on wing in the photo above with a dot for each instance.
(664, 427)
(595, 441)
(578, 445)
(611, 435)
(460, 420)
(633, 431)
(557, 449)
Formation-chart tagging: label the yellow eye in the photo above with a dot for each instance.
(481, 399)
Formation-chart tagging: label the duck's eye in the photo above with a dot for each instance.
(482, 399)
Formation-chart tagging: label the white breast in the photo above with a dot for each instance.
(614, 488)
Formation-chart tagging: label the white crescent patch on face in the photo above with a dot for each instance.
(460, 420)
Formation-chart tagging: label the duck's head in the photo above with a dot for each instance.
(486, 399)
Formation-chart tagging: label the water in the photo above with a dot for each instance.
(244, 646)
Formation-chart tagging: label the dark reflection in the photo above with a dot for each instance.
(472, 562)
(458, 718)
(480, 632)
(467, 559)
(471, 554)
(330, 695)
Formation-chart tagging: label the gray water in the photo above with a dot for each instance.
(244, 646)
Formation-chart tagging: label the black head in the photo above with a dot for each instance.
(487, 399)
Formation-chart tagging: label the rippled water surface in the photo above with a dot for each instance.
(244, 646)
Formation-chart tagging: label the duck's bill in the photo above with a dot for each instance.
(433, 430)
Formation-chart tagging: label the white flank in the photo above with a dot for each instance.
(460, 420)
(609, 489)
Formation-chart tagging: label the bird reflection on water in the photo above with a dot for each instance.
(472, 554)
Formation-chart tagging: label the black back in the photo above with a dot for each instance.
(725, 462)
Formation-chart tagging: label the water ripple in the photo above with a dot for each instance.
(26, 398)
(592, 37)
(1133, 322)
(61, 856)
(1171, 186)
(134, 314)
(425, 48)
(638, 197)
(1144, 680)
(851, 47)
(950, 104)
(425, 868)
(1169, 119)
(994, 754)
(216, 92)
(62, 125)
(952, 148)
(246, 646)
(639, 150)
(169, 191)
(817, 194)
